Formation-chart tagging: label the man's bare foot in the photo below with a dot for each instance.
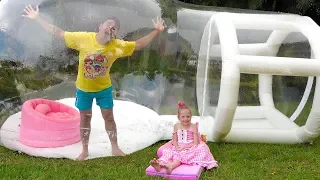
(167, 168)
(155, 164)
(82, 156)
(116, 151)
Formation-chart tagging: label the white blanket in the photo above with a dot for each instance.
(138, 127)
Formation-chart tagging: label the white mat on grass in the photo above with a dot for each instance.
(138, 127)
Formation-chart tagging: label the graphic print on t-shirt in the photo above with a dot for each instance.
(95, 65)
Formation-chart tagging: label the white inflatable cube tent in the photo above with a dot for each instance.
(264, 123)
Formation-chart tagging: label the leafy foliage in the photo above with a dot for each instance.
(13, 73)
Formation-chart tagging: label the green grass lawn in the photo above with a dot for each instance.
(236, 161)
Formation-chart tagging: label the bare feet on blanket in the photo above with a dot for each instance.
(116, 151)
(155, 164)
(167, 168)
(82, 156)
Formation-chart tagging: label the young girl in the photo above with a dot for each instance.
(187, 146)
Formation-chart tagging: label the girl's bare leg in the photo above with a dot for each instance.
(171, 166)
(155, 164)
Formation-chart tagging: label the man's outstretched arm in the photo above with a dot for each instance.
(34, 15)
(144, 41)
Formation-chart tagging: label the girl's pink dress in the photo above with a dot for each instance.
(196, 155)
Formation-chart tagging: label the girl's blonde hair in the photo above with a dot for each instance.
(181, 106)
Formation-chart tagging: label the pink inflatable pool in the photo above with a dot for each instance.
(48, 124)
(183, 172)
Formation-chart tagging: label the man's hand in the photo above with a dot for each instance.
(31, 13)
(158, 27)
(159, 24)
(34, 15)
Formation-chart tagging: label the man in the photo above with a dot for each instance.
(97, 52)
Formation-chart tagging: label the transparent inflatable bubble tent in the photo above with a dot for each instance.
(248, 76)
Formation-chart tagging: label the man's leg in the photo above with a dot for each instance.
(111, 128)
(84, 104)
(105, 101)
(85, 129)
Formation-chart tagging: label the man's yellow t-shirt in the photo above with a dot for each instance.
(95, 60)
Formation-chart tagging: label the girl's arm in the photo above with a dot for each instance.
(195, 135)
(174, 136)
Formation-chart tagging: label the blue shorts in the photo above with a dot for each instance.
(103, 98)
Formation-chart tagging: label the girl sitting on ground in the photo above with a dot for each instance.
(188, 148)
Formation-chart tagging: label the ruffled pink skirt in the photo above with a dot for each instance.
(196, 155)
